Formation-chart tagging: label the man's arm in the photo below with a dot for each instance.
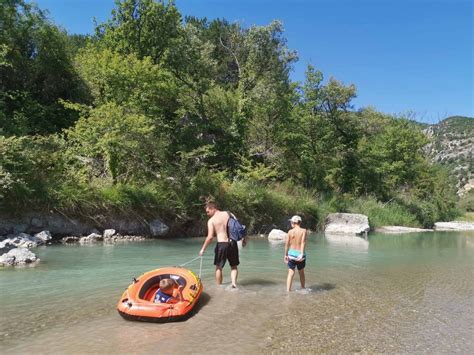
(287, 245)
(210, 235)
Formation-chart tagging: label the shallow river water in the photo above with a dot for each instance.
(394, 293)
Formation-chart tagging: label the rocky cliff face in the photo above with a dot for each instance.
(452, 145)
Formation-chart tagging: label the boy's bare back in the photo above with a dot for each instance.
(296, 237)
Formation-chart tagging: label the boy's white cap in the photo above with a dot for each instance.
(296, 219)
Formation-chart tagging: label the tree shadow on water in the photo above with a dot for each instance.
(326, 286)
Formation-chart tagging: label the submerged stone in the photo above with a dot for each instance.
(18, 256)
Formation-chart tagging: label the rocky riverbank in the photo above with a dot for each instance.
(28, 231)
(400, 230)
(357, 225)
(15, 249)
(61, 225)
(454, 226)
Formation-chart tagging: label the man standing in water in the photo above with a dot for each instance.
(226, 248)
(295, 256)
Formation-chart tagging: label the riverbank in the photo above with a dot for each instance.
(261, 207)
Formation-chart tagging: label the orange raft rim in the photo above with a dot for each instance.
(137, 303)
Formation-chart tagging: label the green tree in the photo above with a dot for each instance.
(145, 28)
(114, 144)
(131, 82)
(392, 159)
(32, 169)
(36, 72)
(324, 135)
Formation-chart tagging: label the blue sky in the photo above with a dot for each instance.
(402, 55)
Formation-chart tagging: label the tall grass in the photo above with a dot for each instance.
(155, 199)
(383, 214)
(260, 206)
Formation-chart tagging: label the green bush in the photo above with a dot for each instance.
(31, 169)
(427, 212)
(466, 203)
(384, 214)
(122, 200)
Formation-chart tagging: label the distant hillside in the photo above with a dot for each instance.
(452, 145)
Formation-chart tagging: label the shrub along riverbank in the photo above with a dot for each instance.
(156, 112)
(261, 207)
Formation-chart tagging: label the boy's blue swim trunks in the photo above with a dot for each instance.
(300, 265)
(292, 255)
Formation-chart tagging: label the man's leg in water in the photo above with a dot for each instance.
(218, 275)
(233, 275)
(289, 279)
(302, 278)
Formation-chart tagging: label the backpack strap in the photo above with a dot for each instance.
(227, 226)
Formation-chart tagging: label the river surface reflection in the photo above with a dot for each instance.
(392, 293)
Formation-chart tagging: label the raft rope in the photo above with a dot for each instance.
(190, 261)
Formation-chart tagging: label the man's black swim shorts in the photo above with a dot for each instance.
(226, 251)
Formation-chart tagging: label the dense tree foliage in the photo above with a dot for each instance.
(36, 72)
(172, 108)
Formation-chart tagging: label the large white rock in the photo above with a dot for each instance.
(24, 240)
(70, 239)
(91, 238)
(17, 256)
(109, 233)
(347, 224)
(44, 236)
(277, 234)
(158, 228)
(454, 226)
(400, 230)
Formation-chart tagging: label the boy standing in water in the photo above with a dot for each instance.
(295, 256)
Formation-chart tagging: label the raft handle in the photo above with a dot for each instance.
(135, 280)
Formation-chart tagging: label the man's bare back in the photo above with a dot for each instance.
(218, 225)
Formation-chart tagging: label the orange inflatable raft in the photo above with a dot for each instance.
(137, 303)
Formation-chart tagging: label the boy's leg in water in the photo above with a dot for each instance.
(302, 278)
(289, 279)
